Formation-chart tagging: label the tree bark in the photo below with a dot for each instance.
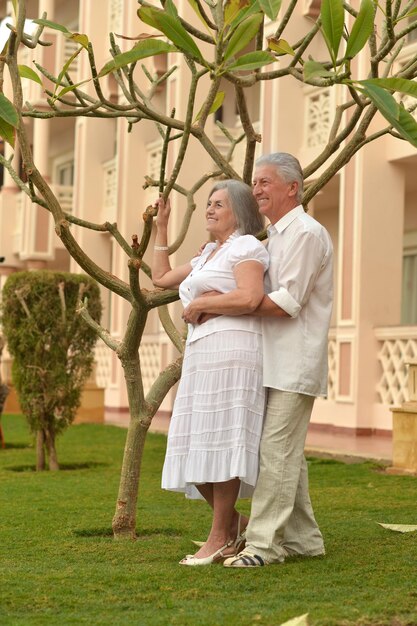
(124, 520)
(50, 444)
(40, 450)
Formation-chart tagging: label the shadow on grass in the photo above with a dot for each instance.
(17, 446)
(93, 532)
(62, 467)
(147, 533)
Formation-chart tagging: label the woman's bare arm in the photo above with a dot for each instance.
(244, 299)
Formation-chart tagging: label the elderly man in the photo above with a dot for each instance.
(295, 320)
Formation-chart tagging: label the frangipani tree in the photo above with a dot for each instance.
(224, 43)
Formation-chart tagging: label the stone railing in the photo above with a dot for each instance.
(332, 358)
(109, 212)
(318, 114)
(115, 16)
(150, 358)
(103, 364)
(153, 164)
(396, 347)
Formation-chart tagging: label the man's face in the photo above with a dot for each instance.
(274, 196)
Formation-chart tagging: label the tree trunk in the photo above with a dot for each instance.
(124, 520)
(50, 443)
(40, 450)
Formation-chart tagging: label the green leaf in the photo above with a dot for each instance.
(217, 103)
(7, 132)
(194, 5)
(78, 38)
(313, 69)
(245, 12)
(28, 72)
(407, 15)
(233, 8)
(280, 46)
(251, 61)
(69, 88)
(332, 21)
(52, 25)
(8, 112)
(243, 34)
(361, 29)
(172, 28)
(170, 8)
(402, 85)
(65, 69)
(270, 8)
(143, 49)
(14, 4)
(397, 116)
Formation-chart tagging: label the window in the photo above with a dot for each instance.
(64, 172)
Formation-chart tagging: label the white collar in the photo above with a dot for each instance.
(286, 220)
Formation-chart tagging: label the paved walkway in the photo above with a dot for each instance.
(342, 445)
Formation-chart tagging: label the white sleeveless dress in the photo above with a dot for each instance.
(218, 412)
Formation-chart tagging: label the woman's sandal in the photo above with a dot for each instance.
(216, 557)
(238, 543)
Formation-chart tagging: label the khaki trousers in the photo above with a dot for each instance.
(282, 521)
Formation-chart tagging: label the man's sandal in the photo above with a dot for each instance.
(244, 559)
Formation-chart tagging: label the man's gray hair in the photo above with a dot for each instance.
(243, 204)
(287, 166)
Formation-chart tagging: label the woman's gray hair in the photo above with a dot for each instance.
(287, 166)
(243, 204)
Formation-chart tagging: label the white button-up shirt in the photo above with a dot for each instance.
(300, 281)
(218, 273)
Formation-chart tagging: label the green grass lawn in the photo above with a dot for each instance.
(59, 564)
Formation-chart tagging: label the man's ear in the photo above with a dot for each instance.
(293, 189)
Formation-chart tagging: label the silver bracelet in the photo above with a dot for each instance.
(162, 248)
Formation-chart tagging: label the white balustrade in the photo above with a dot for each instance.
(397, 345)
(103, 364)
(319, 109)
(115, 16)
(153, 167)
(109, 211)
(150, 360)
(332, 360)
(21, 200)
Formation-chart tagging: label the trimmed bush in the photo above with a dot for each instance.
(52, 349)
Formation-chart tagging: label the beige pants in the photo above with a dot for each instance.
(282, 520)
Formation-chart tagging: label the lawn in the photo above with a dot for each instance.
(60, 566)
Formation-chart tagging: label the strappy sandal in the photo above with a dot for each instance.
(238, 543)
(216, 557)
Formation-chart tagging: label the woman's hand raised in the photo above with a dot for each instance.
(164, 210)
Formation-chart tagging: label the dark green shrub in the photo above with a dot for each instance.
(52, 348)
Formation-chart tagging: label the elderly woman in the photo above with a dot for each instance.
(216, 424)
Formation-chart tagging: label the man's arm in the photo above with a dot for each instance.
(268, 308)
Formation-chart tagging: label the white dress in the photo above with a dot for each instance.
(218, 412)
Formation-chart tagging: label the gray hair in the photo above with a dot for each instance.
(243, 204)
(287, 166)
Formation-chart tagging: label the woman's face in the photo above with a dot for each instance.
(219, 215)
